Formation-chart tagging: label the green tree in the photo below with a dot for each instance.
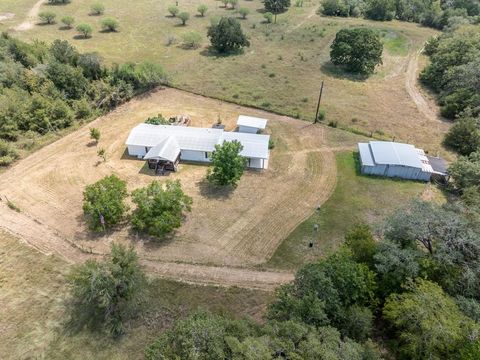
(383, 10)
(358, 49)
(362, 244)
(110, 24)
(106, 292)
(63, 52)
(159, 208)
(227, 35)
(191, 40)
(428, 322)
(173, 10)
(465, 171)
(184, 16)
(97, 9)
(335, 8)
(47, 17)
(85, 29)
(243, 12)
(104, 202)
(68, 79)
(157, 120)
(227, 164)
(233, 3)
(464, 136)
(95, 134)
(68, 21)
(202, 9)
(276, 6)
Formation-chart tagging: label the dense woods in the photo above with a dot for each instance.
(47, 88)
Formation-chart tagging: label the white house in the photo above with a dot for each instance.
(172, 143)
(250, 124)
(399, 160)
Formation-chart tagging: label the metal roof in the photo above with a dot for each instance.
(196, 139)
(167, 149)
(385, 152)
(254, 145)
(251, 121)
(188, 138)
(366, 154)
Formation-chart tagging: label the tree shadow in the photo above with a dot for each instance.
(338, 72)
(65, 28)
(81, 37)
(210, 51)
(107, 31)
(210, 191)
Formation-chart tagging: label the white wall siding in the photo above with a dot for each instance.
(257, 163)
(247, 129)
(191, 155)
(136, 150)
(394, 171)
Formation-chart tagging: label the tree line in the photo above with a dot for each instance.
(45, 88)
(438, 14)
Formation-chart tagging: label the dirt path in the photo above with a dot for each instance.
(32, 16)
(411, 85)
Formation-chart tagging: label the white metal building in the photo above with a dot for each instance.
(168, 142)
(250, 124)
(398, 160)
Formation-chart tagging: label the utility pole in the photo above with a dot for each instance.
(318, 104)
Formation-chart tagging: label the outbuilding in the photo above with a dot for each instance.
(391, 159)
(250, 124)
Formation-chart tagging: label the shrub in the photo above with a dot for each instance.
(171, 39)
(276, 6)
(12, 206)
(191, 40)
(97, 9)
(157, 120)
(464, 136)
(233, 3)
(110, 24)
(268, 16)
(202, 9)
(383, 10)
(68, 21)
(244, 12)
(104, 202)
(7, 154)
(173, 10)
(184, 16)
(159, 208)
(227, 35)
(95, 134)
(47, 17)
(321, 114)
(85, 30)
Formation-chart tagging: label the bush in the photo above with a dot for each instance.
(110, 24)
(95, 134)
(383, 10)
(7, 154)
(97, 9)
(232, 3)
(106, 292)
(47, 17)
(191, 40)
(159, 208)
(268, 16)
(157, 120)
(335, 8)
(321, 114)
(85, 30)
(68, 21)
(173, 10)
(227, 35)
(464, 136)
(244, 12)
(104, 202)
(202, 9)
(358, 49)
(184, 16)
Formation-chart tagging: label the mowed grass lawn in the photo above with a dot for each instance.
(33, 313)
(281, 71)
(357, 198)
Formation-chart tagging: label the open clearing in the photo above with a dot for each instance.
(282, 69)
(241, 228)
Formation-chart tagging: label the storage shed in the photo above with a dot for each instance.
(250, 124)
(398, 160)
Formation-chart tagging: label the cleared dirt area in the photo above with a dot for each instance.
(237, 229)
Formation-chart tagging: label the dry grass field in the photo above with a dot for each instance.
(238, 228)
(281, 71)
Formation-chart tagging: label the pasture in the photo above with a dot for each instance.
(282, 69)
